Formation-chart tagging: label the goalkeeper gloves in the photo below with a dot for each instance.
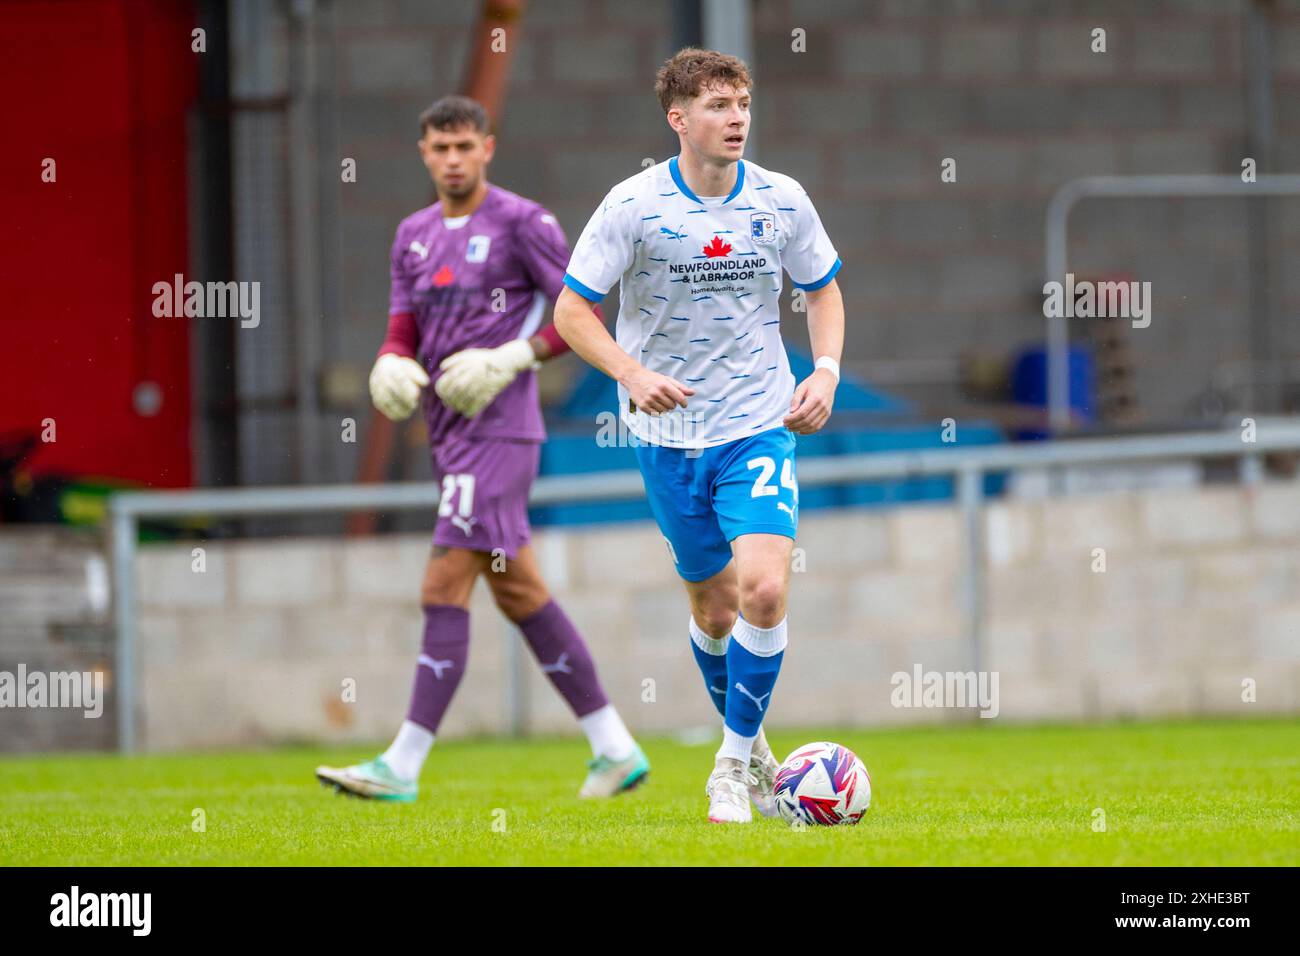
(472, 378)
(395, 384)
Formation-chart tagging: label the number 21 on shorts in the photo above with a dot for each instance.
(450, 483)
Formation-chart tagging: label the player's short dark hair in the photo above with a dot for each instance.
(690, 70)
(453, 112)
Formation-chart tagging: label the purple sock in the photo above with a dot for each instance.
(563, 654)
(443, 653)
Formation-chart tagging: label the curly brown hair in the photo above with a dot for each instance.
(690, 70)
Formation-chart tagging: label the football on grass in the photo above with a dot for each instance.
(822, 784)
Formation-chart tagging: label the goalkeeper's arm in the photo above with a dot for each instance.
(397, 378)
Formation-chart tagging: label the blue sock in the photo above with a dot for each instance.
(753, 662)
(711, 655)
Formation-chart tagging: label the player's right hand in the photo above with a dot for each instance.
(395, 384)
(655, 393)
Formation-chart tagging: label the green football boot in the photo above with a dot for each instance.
(608, 778)
(373, 780)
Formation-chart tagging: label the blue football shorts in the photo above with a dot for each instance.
(704, 498)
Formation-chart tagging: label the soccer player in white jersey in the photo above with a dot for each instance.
(698, 245)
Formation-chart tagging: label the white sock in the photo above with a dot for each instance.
(405, 757)
(607, 734)
(761, 641)
(715, 646)
(735, 746)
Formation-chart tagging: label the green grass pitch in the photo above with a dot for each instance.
(1221, 793)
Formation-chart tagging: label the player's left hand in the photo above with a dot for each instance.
(811, 406)
(472, 378)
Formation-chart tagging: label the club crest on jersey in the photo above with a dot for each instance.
(477, 249)
(762, 226)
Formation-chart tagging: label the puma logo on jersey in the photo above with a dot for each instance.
(758, 701)
(425, 660)
(786, 508)
(419, 248)
(559, 667)
(465, 524)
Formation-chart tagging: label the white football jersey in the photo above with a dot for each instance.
(700, 292)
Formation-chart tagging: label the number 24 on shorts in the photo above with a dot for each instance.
(768, 466)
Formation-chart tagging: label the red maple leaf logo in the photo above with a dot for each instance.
(717, 248)
(443, 276)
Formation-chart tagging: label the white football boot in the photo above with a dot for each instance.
(763, 767)
(728, 792)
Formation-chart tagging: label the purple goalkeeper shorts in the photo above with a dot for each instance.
(485, 485)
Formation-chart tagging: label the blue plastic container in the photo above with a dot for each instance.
(1029, 385)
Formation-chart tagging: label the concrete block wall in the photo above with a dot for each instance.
(1013, 93)
(54, 617)
(884, 92)
(1197, 595)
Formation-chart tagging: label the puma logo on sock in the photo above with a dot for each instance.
(559, 667)
(758, 701)
(436, 666)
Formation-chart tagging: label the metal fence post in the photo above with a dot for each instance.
(123, 533)
(970, 495)
(516, 679)
(1250, 469)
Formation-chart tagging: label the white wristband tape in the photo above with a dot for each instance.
(830, 365)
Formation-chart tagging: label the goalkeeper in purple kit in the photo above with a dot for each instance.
(473, 277)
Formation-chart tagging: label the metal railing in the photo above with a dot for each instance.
(968, 465)
(1130, 187)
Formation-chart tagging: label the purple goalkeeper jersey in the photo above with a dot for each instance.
(478, 281)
